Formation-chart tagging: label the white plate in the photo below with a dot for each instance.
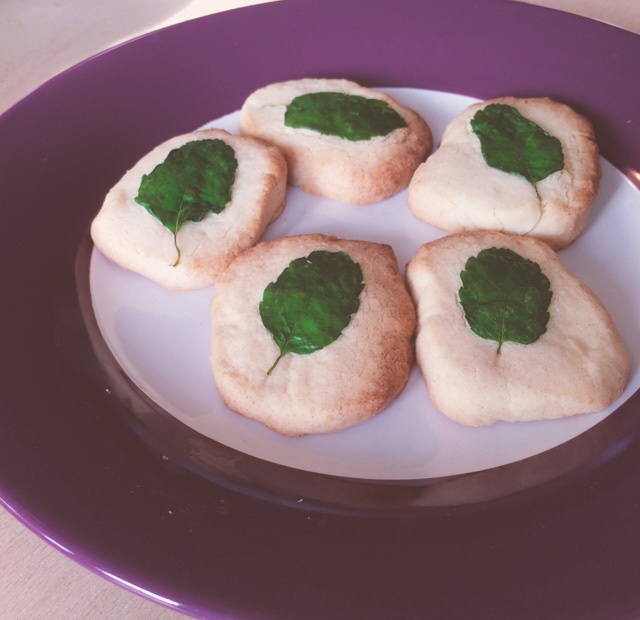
(161, 338)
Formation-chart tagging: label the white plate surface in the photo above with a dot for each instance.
(161, 338)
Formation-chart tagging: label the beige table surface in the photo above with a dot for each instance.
(38, 39)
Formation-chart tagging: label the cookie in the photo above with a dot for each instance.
(324, 128)
(506, 332)
(337, 358)
(217, 193)
(524, 166)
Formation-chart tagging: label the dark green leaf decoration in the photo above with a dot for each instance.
(195, 179)
(505, 297)
(311, 302)
(347, 116)
(514, 144)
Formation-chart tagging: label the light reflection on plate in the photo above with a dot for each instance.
(161, 338)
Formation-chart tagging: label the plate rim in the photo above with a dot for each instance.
(109, 62)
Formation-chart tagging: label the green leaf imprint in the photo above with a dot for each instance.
(347, 116)
(311, 302)
(514, 144)
(194, 180)
(505, 297)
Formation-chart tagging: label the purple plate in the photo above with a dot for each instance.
(86, 462)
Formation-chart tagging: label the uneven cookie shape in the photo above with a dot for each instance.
(457, 190)
(137, 238)
(578, 364)
(357, 170)
(347, 381)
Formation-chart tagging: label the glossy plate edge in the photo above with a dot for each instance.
(126, 487)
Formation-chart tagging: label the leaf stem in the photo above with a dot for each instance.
(535, 187)
(175, 244)
(177, 226)
(502, 328)
(282, 354)
(284, 348)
